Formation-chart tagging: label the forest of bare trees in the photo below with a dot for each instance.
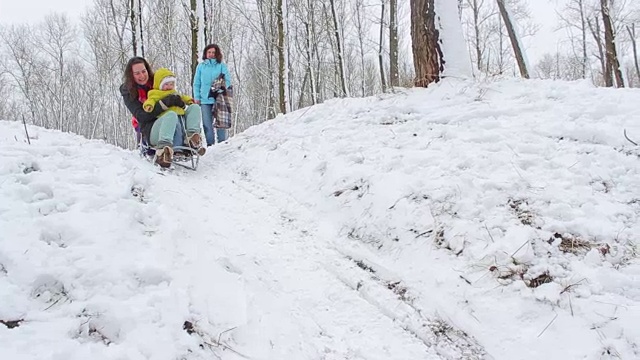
(284, 55)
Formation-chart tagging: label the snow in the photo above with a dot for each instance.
(458, 61)
(488, 220)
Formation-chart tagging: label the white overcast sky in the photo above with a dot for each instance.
(32, 11)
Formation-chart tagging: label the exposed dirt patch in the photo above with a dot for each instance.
(571, 244)
(521, 208)
(11, 323)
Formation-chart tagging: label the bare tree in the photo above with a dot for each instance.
(305, 12)
(24, 68)
(515, 41)
(477, 39)
(361, 31)
(575, 16)
(488, 36)
(117, 17)
(595, 30)
(8, 107)
(339, 50)
(140, 25)
(559, 66)
(393, 43)
(133, 20)
(383, 80)
(265, 11)
(57, 40)
(612, 63)
(282, 63)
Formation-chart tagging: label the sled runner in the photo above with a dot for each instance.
(183, 156)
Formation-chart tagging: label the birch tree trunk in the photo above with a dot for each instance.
(583, 30)
(265, 13)
(282, 67)
(360, 30)
(140, 25)
(475, 8)
(312, 47)
(309, 50)
(383, 80)
(339, 48)
(393, 43)
(515, 42)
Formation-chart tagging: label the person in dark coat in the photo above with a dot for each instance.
(138, 81)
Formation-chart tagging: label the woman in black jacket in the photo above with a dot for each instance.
(138, 80)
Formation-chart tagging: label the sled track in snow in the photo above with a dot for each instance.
(379, 287)
(384, 290)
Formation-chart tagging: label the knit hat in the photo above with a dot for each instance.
(161, 77)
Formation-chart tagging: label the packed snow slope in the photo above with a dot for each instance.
(495, 220)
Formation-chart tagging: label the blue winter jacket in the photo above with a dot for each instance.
(206, 73)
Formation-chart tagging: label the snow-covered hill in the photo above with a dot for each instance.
(465, 221)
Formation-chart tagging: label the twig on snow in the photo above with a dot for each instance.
(489, 232)
(546, 327)
(570, 286)
(629, 140)
(521, 246)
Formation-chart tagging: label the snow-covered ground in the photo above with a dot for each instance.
(495, 220)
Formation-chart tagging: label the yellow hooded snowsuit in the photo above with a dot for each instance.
(153, 96)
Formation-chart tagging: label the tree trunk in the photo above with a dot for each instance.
(282, 68)
(132, 18)
(515, 42)
(634, 44)
(594, 26)
(380, 47)
(612, 57)
(360, 30)
(583, 28)
(193, 22)
(476, 32)
(205, 20)
(310, 52)
(501, 48)
(140, 25)
(342, 74)
(393, 44)
(265, 15)
(119, 30)
(427, 53)
(302, 87)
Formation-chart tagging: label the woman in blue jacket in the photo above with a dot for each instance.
(207, 72)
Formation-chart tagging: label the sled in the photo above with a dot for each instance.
(183, 156)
